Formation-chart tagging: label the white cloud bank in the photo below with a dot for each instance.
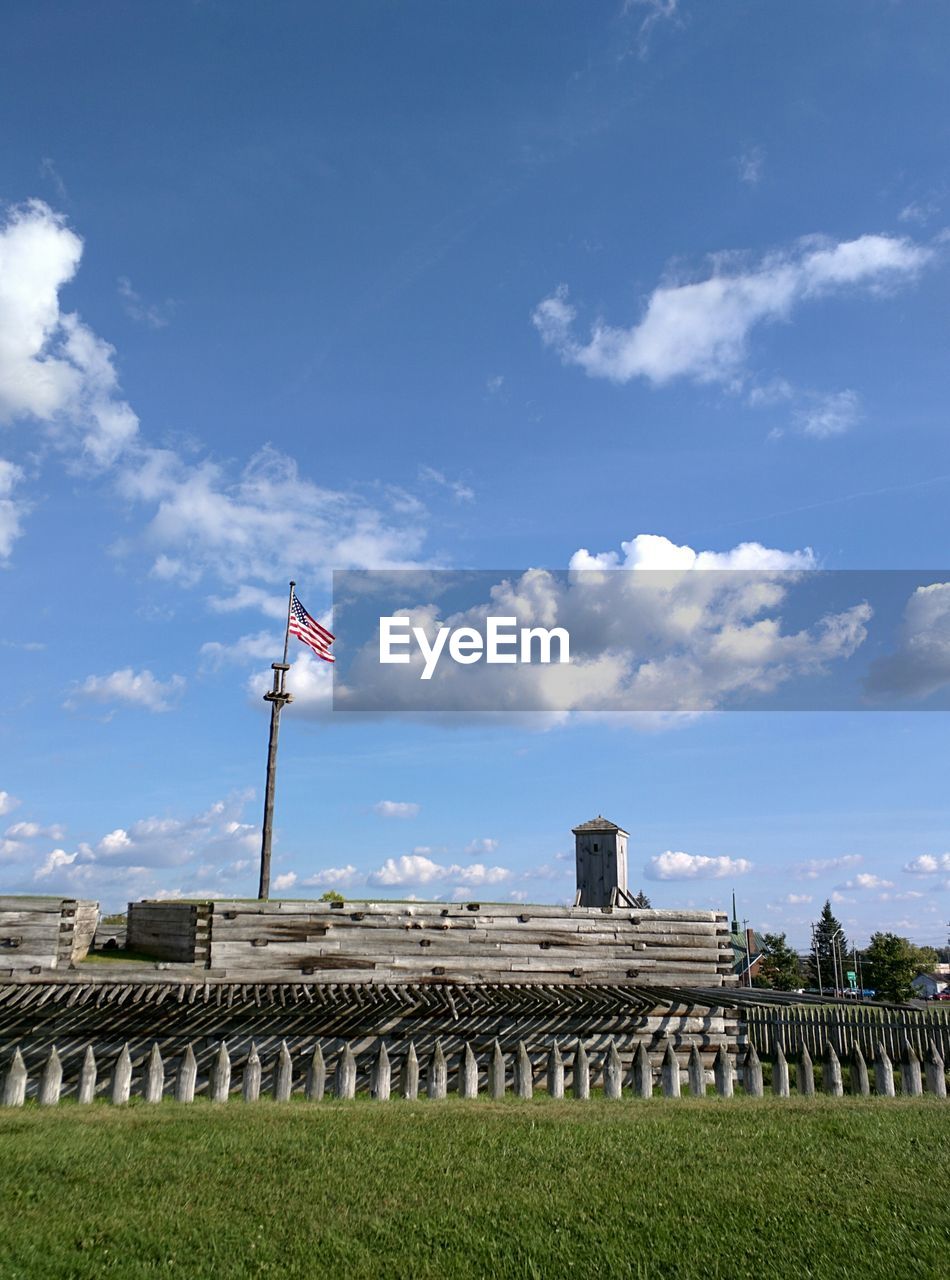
(920, 665)
(396, 808)
(701, 329)
(130, 688)
(688, 866)
(928, 864)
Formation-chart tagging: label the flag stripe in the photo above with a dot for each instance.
(310, 631)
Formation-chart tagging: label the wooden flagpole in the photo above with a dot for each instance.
(278, 697)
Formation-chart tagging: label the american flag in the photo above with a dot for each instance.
(309, 630)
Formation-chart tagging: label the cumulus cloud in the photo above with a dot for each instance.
(7, 802)
(286, 880)
(53, 369)
(829, 415)
(485, 845)
(12, 508)
(417, 869)
(797, 899)
(928, 864)
(55, 861)
(247, 648)
(131, 688)
(816, 867)
(333, 878)
(701, 329)
(688, 866)
(865, 880)
(920, 665)
(396, 808)
(34, 831)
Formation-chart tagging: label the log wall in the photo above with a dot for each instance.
(45, 933)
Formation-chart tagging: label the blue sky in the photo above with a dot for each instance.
(367, 286)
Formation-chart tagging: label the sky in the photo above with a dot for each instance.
(289, 289)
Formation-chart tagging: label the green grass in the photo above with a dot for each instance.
(693, 1188)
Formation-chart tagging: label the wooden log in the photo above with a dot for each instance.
(437, 1074)
(219, 1083)
(51, 1080)
(858, 1073)
(805, 1075)
(780, 1079)
(283, 1074)
(251, 1084)
(344, 1085)
(381, 1083)
(670, 1072)
(911, 1083)
(696, 1072)
(316, 1076)
(87, 1078)
(723, 1073)
(642, 1072)
(581, 1075)
(613, 1073)
(122, 1078)
(555, 1072)
(883, 1072)
(468, 1073)
(409, 1074)
(496, 1073)
(934, 1072)
(154, 1082)
(831, 1079)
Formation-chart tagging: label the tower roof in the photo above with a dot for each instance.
(600, 823)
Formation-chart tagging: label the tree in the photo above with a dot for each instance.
(829, 946)
(891, 964)
(641, 900)
(780, 968)
(331, 895)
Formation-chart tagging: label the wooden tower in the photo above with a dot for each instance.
(600, 848)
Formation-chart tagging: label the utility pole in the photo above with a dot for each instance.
(814, 947)
(278, 697)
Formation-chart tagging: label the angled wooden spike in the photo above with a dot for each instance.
(581, 1081)
(437, 1075)
(670, 1072)
(696, 1072)
(251, 1084)
(934, 1071)
(780, 1085)
(468, 1074)
(122, 1078)
(382, 1080)
(316, 1076)
(723, 1073)
(496, 1073)
(524, 1073)
(87, 1078)
(51, 1081)
(613, 1074)
(831, 1081)
(409, 1074)
(283, 1074)
(806, 1073)
(344, 1085)
(860, 1084)
(555, 1072)
(154, 1083)
(642, 1073)
(883, 1072)
(219, 1083)
(187, 1076)
(911, 1083)
(14, 1084)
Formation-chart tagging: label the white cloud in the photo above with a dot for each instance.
(686, 866)
(250, 648)
(53, 369)
(286, 880)
(396, 808)
(459, 491)
(12, 509)
(650, 14)
(797, 899)
(133, 688)
(927, 864)
(7, 802)
(700, 329)
(55, 861)
(865, 880)
(114, 843)
(749, 163)
(407, 869)
(829, 415)
(333, 878)
(486, 845)
(33, 831)
(920, 665)
(816, 867)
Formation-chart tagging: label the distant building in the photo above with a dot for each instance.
(928, 985)
(748, 948)
(600, 852)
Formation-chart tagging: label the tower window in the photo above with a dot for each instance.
(596, 848)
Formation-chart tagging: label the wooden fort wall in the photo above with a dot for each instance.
(386, 942)
(45, 933)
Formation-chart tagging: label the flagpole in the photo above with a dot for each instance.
(278, 697)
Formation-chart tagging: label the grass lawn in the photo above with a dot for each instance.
(691, 1188)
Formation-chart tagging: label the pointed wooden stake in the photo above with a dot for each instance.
(122, 1078)
(14, 1084)
(806, 1074)
(251, 1084)
(613, 1074)
(934, 1071)
(670, 1072)
(496, 1073)
(154, 1084)
(187, 1076)
(51, 1081)
(555, 1072)
(316, 1076)
(860, 1084)
(219, 1084)
(723, 1073)
(381, 1083)
(409, 1074)
(831, 1081)
(642, 1073)
(581, 1081)
(696, 1072)
(437, 1074)
(345, 1080)
(468, 1074)
(524, 1073)
(911, 1083)
(87, 1078)
(883, 1073)
(283, 1074)
(780, 1084)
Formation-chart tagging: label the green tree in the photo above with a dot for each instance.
(780, 968)
(829, 945)
(891, 963)
(331, 895)
(642, 901)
